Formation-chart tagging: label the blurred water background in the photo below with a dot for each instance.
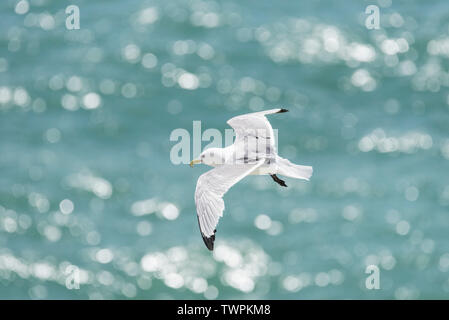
(85, 171)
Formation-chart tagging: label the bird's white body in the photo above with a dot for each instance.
(227, 156)
(253, 153)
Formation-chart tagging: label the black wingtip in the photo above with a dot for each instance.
(209, 241)
(282, 111)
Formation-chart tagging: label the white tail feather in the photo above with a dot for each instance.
(288, 169)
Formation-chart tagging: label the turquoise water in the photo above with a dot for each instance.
(86, 175)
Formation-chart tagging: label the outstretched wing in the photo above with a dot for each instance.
(210, 188)
(254, 136)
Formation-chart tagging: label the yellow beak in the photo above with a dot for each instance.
(194, 162)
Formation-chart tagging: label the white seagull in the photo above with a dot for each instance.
(253, 153)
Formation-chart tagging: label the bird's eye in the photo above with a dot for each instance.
(202, 156)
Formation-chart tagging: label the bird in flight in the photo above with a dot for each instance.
(252, 153)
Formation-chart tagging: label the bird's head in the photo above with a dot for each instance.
(212, 157)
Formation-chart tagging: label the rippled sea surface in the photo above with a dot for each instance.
(88, 189)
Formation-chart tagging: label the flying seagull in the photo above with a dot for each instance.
(253, 153)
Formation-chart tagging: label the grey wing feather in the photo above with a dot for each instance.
(254, 136)
(210, 188)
